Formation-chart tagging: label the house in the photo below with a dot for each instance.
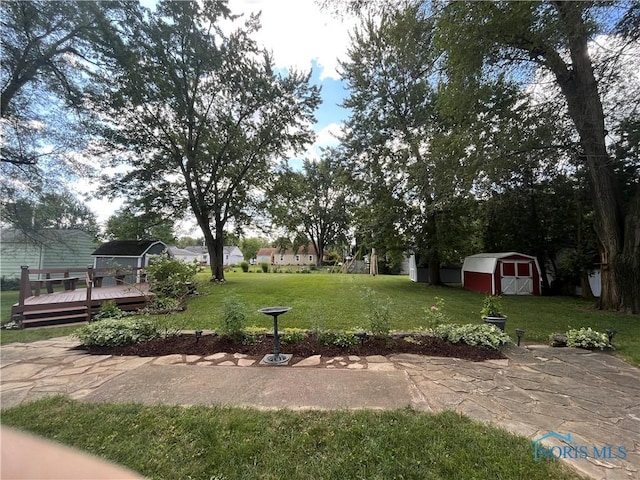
(44, 250)
(305, 255)
(507, 273)
(202, 254)
(232, 255)
(131, 255)
(184, 255)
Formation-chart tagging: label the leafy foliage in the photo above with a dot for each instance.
(234, 317)
(488, 336)
(491, 306)
(172, 278)
(435, 313)
(114, 332)
(206, 114)
(338, 338)
(109, 309)
(587, 338)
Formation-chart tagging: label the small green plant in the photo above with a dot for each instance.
(491, 306)
(108, 309)
(483, 335)
(159, 305)
(112, 332)
(379, 316)
(233, 318)
(337, 338)
(253, 334)
(435, 313)
(265, 267)
(587, 338)
(244, 266)
(292, 335)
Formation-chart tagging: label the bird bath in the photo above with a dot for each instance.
(277, 358)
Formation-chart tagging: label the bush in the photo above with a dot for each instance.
(292, 335)
(117, 332)
(265, 267)
(244, 266)
(484, 335)
(339, 339)
(587, 338)
(435, 313)
(108, 309)
(379, 317)
(7, 284)
(233, 318)
(171, 278)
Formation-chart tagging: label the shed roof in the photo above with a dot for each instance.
(125, 248)
(486, 262)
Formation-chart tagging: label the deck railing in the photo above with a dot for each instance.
(70, 277)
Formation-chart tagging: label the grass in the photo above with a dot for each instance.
(336, 301)
(166, 442)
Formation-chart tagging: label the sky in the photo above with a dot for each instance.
(300, 36)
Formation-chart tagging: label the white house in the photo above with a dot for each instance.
(232, 255)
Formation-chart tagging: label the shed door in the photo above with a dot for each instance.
(517, 278)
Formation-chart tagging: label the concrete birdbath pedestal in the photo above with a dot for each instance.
(277, 358)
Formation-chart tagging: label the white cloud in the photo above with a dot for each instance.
(297, 32)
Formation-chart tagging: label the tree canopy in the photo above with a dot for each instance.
(200, 116)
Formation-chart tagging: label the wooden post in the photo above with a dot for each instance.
(90, 276)
(25, 285)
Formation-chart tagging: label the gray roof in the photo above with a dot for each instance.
(125, 248)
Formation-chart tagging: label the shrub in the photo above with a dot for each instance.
(171, 278)
(483, 335)
(339, 339)
(233, 318)
(379, 317)
(244, 266)
(159, 305)
(265, 267)
(587, 338)
(292, 335)
(7, 284)
(435, 313)
(113, 332)
(252, 334)
(108, 309)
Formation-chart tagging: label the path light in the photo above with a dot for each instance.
(519, 334)
(610, 333)
(198, 335)
(362, 335)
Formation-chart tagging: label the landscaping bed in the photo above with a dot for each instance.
(308, 346)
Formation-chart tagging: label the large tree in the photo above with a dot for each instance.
(129, 223)
(483, 39)
(312, 203)
(200, 115)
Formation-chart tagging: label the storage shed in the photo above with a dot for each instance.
(130, 255)
(507, 273)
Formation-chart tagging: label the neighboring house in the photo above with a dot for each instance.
(202, 254)
(126, 254)
(232, 255)
(46, 249)
(507, 273)
(274, 256)
(184, 255)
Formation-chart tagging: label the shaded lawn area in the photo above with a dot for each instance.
(336, 301)
(166, 442)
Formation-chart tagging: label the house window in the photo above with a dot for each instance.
(297, 258)
(311, 258)
(282, 258)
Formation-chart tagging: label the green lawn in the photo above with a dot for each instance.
(336, 301)
(165, 442)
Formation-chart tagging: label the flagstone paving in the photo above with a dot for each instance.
(593, 398)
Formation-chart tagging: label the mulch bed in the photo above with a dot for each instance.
(210, 344)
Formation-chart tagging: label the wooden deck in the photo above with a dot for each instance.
(72, 306)
(102, 294)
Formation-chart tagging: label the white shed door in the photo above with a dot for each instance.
(517, 278)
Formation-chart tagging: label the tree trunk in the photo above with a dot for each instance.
(434, 270)
(579, 86)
